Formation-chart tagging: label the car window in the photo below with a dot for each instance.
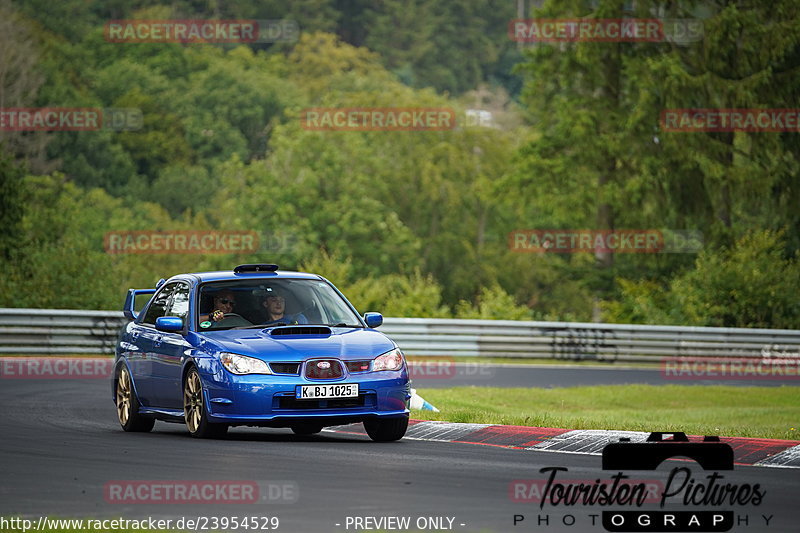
(158, 307)
(179, 306)
(303, 301)
(332, 309)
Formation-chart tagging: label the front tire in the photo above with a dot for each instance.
(128, 405)
(386, 429)
(194, 409)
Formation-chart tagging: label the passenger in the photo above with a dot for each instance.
(275, 304)
(223, 304)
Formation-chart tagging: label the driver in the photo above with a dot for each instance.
(275, 304)
(223, 304)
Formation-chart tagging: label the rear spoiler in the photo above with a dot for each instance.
(129, 310)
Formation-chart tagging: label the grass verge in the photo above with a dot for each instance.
(765, 412)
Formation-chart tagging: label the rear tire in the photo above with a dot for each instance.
(194, 409)
(307, 429)
(128, 405)
(387, 429)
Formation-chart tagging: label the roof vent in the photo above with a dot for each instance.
(242, 269)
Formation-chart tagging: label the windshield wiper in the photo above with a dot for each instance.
(343, 325)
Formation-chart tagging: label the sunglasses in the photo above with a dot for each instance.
(225, 301)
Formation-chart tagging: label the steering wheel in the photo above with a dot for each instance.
(233, 320)
(224, 316)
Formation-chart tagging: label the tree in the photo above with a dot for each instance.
(750, 284)
(11, 211)
(20, 80)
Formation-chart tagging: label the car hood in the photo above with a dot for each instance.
(341, 343)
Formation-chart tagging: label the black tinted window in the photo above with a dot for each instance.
(296, 301)
(158, 306)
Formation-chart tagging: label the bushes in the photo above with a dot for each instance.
(751, 284)
(412, 294)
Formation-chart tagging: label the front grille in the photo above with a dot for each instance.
(324, 369)
(285, 368)
(290, 402)
(358, 366)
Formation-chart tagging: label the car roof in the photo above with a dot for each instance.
(228, 275)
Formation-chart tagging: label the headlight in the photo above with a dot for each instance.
(241, 364)
(391, 360)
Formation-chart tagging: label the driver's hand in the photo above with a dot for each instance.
(217, 315)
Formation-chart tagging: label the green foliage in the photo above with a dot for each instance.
(413, 223)
(751, 284)
(181, 187)
(54, 244)
(641, 302)
(405, 295)
(10, 204)
(59, 260)
(493, 304)
(452, 46)
(600, 160)
(320, 62)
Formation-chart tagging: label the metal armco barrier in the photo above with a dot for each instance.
(51, 331)
(56, 331)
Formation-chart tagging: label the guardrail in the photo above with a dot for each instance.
(51, 331)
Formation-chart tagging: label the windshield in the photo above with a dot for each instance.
(269, 303)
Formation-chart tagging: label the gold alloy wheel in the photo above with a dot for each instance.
(193, 401)
(124, 393)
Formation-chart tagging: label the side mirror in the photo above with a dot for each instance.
(170, 324)
(373, 320)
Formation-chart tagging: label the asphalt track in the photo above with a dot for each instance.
(61, 445)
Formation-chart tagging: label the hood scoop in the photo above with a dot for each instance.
(300, 330)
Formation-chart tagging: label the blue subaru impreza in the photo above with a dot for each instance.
(256, 347)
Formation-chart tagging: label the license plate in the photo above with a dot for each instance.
(313, 392)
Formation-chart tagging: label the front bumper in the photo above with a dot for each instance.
(269, 400)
